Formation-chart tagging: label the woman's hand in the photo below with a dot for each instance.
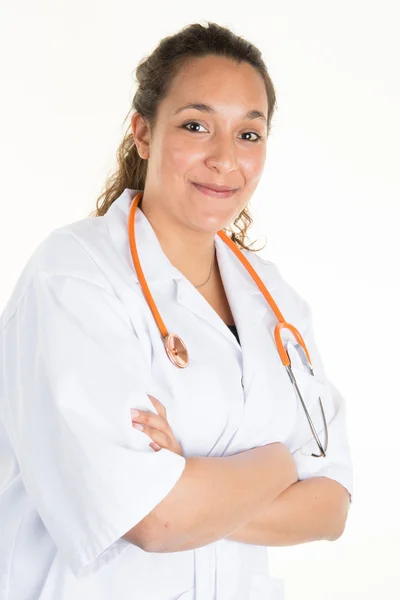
(157, 427)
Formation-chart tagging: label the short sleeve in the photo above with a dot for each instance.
(337, 464)
(72, 368)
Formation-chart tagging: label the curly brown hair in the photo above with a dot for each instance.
(154, 75)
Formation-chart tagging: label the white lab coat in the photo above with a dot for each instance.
(79, 348)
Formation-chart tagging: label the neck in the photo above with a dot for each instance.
(190, 251)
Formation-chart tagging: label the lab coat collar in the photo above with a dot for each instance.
(156, 266)
(249, 307)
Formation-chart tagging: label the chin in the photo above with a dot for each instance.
(207, 220)
(211, 225)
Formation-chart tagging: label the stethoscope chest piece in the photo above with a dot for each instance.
(176, 350)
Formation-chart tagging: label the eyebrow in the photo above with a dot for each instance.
(251, 114)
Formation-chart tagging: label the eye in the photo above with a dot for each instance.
(191, 123)
(258, 138)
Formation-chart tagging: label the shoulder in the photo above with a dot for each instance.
(69, 250)
(289, 300)
(263, 266)
(64, 252)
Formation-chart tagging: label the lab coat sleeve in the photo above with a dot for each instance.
(337, 464)
(73, 367)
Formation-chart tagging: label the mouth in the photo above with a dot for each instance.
(215, 191)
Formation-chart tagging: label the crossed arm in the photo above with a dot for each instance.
(270, 507)
(262, 483)
(311, 509)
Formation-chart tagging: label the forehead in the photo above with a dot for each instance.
(218, 81)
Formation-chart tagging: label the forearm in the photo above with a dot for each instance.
(215, 496)
(311, 509)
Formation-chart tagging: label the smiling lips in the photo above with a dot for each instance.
(214, 190)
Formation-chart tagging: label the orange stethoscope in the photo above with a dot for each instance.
(176, 349)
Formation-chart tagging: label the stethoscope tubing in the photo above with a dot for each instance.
(176, 349)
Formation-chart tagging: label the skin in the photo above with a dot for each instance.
(218, 147)
(309, 510)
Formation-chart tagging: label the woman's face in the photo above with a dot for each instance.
(219, 145)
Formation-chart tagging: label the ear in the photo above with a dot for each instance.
(141, 135)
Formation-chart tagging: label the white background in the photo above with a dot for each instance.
(328, 202)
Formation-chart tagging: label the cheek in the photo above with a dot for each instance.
(253, 166)
(181, 156)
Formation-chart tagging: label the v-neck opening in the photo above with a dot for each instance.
(234, 330)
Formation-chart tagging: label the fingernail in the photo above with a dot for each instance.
(138, 426)
(134, 413)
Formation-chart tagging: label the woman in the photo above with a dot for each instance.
(94, 506)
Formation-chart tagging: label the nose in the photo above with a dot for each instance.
(222, 154)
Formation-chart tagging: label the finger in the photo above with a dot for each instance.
(151, 419)
(160, 408)
(155, 447)
(158, 437)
